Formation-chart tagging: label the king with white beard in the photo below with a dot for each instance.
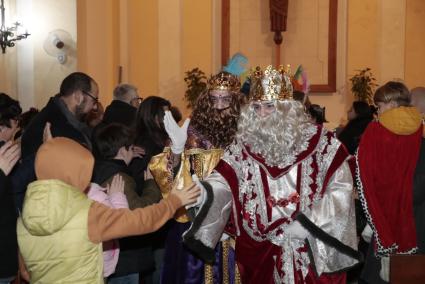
(284, 189)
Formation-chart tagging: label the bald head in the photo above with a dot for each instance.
(418, 98)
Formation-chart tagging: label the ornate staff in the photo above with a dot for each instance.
(278, 16)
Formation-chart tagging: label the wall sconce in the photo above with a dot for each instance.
(7, 34)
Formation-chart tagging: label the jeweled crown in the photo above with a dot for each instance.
(271, 84)
(224, 81)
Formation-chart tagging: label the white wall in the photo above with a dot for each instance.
(27, 72)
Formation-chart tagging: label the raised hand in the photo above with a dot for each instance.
(9, 155)
(138, 152)
(117, 185)
(177, 134)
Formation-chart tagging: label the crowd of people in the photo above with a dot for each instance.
(252, 188)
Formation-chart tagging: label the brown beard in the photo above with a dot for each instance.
(218, 126)
(79, 113)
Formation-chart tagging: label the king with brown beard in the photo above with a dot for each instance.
(215, 117)
(212, 128)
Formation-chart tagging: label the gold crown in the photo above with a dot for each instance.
(224, 81)
(271, 84)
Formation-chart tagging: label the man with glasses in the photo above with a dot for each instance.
(124, 106)
(94, 100)
(65, 112)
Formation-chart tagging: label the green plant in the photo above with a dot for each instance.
(363, 85)
(196, 82)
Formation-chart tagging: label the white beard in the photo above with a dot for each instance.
(280, 137)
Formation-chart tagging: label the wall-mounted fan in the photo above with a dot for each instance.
(59, 44)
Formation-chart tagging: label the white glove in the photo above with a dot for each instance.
(177, 134)
(385, 268)
(296, 231)
(367, 233)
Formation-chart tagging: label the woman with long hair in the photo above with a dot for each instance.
(151, 134)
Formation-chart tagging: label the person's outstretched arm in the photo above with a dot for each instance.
(106, 224)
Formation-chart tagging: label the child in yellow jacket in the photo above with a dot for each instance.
(60, 232)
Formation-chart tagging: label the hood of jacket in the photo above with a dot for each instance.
(401, 120)
(64, 159)
(49, 205)
(63, 169)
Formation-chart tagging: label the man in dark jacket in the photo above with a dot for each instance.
(78, 96)
(9, 155)
(122, 110)
(65, 112)
(124, 106)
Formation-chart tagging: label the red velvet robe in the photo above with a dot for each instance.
(321, 180)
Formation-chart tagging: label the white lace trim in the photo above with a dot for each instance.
(306, 182)
(324, 160)
(253, 191)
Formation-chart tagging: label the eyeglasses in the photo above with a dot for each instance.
(95, 99)
(138, 99)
